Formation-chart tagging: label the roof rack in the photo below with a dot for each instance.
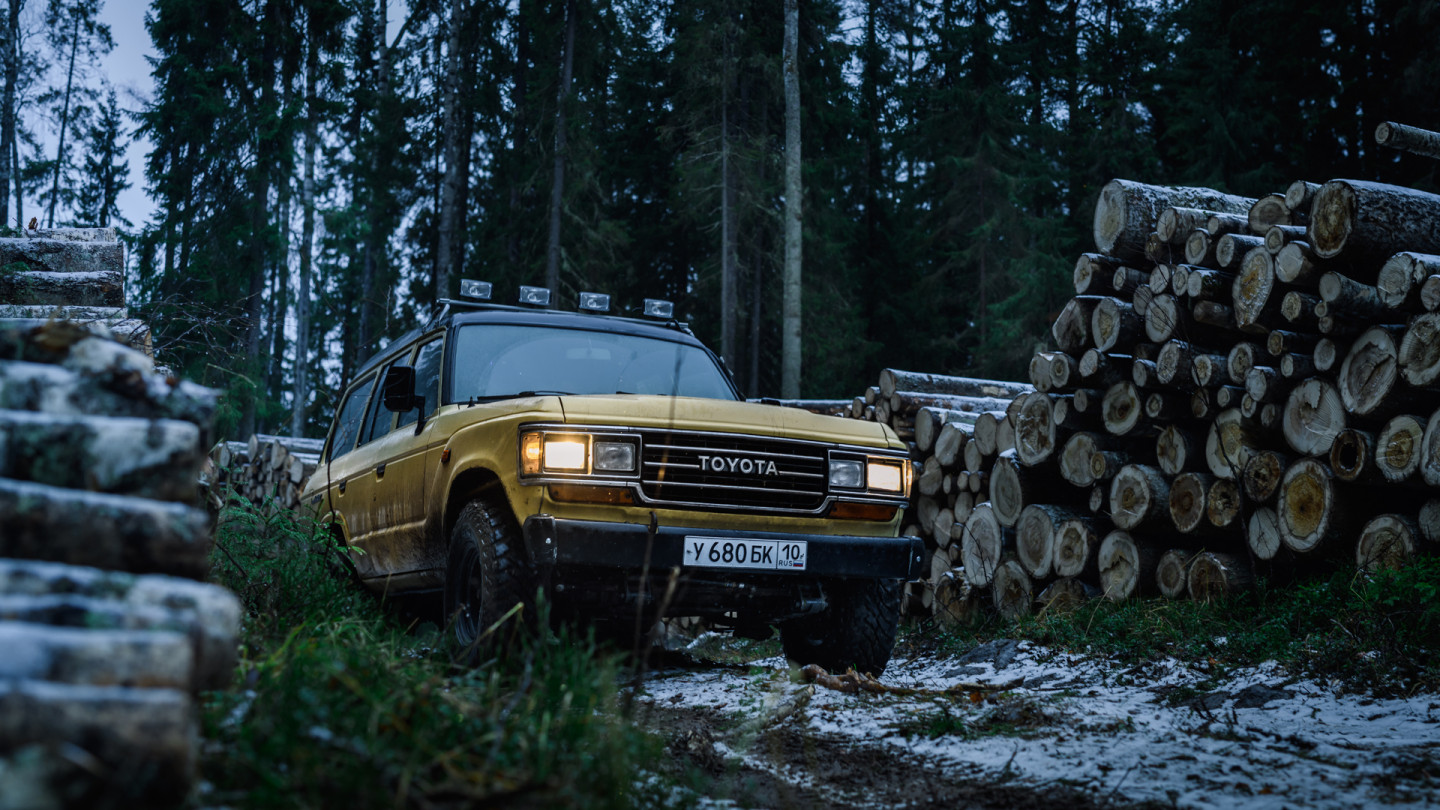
(445, 307)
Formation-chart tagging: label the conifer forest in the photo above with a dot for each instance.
(324, 170)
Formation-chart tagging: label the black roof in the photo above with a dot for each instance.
(459, 313)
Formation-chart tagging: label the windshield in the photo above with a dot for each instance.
(501, 360)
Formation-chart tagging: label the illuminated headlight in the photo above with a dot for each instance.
(886, 476)
(615, 456)
(564, 453)
(847, 474)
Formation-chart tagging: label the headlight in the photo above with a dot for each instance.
(886, 476)
(564, 453)
(847, 474)
(615, 456)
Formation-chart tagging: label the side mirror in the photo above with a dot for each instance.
(400, 389)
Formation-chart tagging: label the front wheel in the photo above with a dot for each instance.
(856, 630)
(486, 577)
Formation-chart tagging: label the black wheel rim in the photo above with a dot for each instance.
(467, 595)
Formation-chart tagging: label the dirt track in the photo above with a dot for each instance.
(1010, 725)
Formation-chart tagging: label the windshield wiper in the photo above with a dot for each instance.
(495, 397)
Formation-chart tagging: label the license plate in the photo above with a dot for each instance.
(729, 552)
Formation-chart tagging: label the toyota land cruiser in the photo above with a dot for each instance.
(500, 450)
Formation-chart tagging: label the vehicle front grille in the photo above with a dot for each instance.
(742, 472)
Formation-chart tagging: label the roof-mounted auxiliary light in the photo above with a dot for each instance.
(657, 308)
(478, 290)
(535, 296)
(594, 302)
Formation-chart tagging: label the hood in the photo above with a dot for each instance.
(687, 413)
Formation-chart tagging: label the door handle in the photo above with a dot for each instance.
(380, 471)
(342, 487)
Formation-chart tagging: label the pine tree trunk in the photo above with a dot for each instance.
(557, 172)
(790, 344)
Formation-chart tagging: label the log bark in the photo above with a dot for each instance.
(1208, 285)
(1430, 293)
(1296, 367)
(64, 255)
(1430, 521)
(1127, 568)
(1171, 574)
(1071, 329)
(1098, 370)
(1035, 537)
(1367, 222)
(150, 458)
(1214, 575)
(1314, 415)
(1262, 533)
(893, 380)
(1354, 299)
(1430, 450)
(132, 534)
(136, 743)
(100, 288)
(1214, 314)
(1127, 212)
(1176, 222)
(1013, 591)
(1126, 280)
(1232, 248)
(1220, 224)
(1398, 448)
(1188, 495)
(1387, 542)
(1416, 141)
(983, 544)
(1310, 515)
(1093, 273)
(908, 403)
(1139, 494)
(1300, 311)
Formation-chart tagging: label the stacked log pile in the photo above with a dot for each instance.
(1240, 387)
(108, 636)
(266, 470)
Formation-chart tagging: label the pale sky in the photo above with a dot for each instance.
(127, 69)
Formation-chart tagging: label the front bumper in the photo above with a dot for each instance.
(597, 544)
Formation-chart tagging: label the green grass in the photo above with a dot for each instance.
(336, 704)
(1375, 633)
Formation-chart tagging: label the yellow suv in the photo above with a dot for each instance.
(610, 461)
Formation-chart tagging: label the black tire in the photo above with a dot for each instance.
(486, 576)
(856, 630)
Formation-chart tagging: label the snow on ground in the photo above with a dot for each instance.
(1257, 739)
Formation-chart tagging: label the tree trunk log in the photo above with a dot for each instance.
(1278, 236)
(1176, 222)
(1013, 591)
(1187, 500)
(1367, 222)
(1172, 572)
(1309, 513)
(1314, 415)
(1299, 195)
(1093, 273)
(1222, 504)
(1398, 447)
(1115, 322)
(1208, 285)
(956, 602)
(893, 380)
(1013, 486)
(1127, 568)
(1387, 542)
(1138, 495)
(1232, 248)
(1268, 211)
(1035, 439)
(1229, 444)
(1200, 248)
(1262, 474)
(1262, 533)
(1127, 212)
(1122, 410)
(1214, 576)
(1419, 352)
(983, 544)
(1035, 537)
(1368, 375)
(1416, 141)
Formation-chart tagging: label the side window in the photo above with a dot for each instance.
(427, 380)
(378, 423)
(347, 424)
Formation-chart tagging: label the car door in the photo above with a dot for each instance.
(402, 476)
(346, 466)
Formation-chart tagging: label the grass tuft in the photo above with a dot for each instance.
(338, 705)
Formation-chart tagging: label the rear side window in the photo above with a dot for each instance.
(427, 381)
(347, 424)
